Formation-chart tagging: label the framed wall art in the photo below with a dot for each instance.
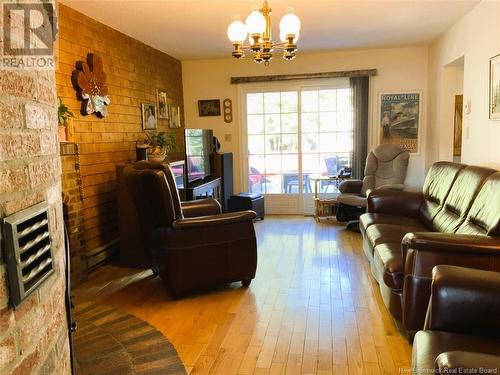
(400, 117)
(174, 115)
(209, 107)
(495, 88)
(161, 102)
(148, 111)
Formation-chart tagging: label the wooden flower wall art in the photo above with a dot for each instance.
(89, 81)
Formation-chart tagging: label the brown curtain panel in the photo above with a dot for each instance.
(360, 88)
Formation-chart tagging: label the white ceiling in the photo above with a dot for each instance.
(194, 29)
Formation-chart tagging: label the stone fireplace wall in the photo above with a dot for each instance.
(34, 337)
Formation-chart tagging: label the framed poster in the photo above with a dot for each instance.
(209, 107)
(495, 88)
(174, 115)
(400, 116)
(148, 111)
(161, 99)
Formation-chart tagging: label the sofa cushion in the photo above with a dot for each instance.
(460, 198)
(368, 219)
(388, 261)
(428, 345)
(484, 215)
(437, 185)
(385, 233)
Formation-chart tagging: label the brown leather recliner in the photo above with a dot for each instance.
(190, 244)
(455, 220)
(462, 328)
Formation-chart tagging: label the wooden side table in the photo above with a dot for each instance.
(324, 208)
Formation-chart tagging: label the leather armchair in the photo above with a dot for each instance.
(385, 169)
(462, 328)
(190, 244)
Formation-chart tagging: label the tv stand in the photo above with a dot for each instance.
(209, 187)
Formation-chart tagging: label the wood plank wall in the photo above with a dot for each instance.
(134, 72)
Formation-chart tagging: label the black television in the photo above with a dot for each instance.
(198, 150)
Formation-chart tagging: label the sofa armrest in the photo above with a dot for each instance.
(404, 203)
(351, 186)
(464, 300)
(214, 220)
(460, 362)
(422, 251)
(201, 207)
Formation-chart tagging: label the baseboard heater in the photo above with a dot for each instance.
(102, 254)
(28, 251)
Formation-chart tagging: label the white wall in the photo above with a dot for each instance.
(476, 38)
(399, 69)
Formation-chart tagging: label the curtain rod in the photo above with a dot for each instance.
(290, 77)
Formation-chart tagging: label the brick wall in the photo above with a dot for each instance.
(33, 338)
(134, 72)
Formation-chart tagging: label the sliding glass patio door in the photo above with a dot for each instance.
(293, 134)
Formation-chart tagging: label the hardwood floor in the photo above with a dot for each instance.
(313, 308)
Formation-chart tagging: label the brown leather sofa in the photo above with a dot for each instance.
(455, 220)
(462, 328)
(190, 244)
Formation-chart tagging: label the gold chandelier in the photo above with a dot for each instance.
(258, 28)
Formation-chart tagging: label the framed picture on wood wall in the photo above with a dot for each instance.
(174, 115)
(161, 99)
(495, 88)
(148, 111)
(400, 117)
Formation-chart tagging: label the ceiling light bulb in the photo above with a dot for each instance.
(290, 23)
(256, 22)
(237, 31)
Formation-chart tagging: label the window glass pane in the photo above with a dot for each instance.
(274, 184)
(309, 101)
(257, 164)
(256, 144)
(327, 100)
(256, 183)
(289, 102)
(273, 164)
(344, 101)
(255, 124)
(290, 163)
(273, 144)
(344, 121)
(272, 102)
(310, 122)
(255, 103)
(289, 123)
(327, 121)
(289, 143)
(272, 124)
(327, 142)
(311, 163)
(344, 142)
(310, 142)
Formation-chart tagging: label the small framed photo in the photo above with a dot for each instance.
(148, 111)
(161, 101)
(495, 88)
(174, 115)
(209, 107)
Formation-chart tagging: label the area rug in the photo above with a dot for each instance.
(109, 341)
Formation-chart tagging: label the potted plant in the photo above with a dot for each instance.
(160, 144)
(64, 116)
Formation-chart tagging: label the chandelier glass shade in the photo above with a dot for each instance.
(257, 28)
